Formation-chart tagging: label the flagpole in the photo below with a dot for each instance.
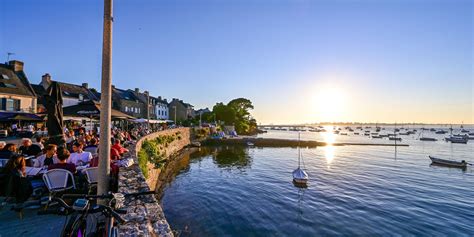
(105, 102)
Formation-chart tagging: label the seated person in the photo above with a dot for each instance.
(92, 147)
(28, 148)
(79, 157)
(48, 158)
(63, 156)
(8, 151)
(39, 142)
(18, 185)
(119, 147)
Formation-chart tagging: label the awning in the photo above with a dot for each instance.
(91, 109)
(19, 116)
(152, 121)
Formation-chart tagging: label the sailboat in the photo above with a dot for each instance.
(299, 175)
(423, 138)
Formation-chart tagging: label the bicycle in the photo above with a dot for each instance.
(78, 225)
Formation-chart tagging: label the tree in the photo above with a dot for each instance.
(237, 113)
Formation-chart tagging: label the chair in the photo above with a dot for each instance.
(56, 180)
(91, 176)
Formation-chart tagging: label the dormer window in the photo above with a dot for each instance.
(4, 76)
(81, 97)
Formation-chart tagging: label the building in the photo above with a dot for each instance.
(72, 94)
(157, 107)
(179, 110)
(16, 93)
(127, 102)
(161, 108)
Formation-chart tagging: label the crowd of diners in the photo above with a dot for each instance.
(81, 149)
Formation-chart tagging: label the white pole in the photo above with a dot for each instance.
(106, 102)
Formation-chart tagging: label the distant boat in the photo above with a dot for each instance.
(464, 131)
(457, 139)
(423, 138)
(299, 175)
(377, 136)
(452, 163)
(343, 133)
(441, 132)
(250, 144)
(395, 138)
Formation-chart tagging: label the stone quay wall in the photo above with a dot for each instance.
(145, 216)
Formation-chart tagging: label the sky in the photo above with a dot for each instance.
(298, 61)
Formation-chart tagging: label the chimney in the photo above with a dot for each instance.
(137, 90)
(113, 86)
(46, 80)
(17, 66)
(159, 97)
(85, 85)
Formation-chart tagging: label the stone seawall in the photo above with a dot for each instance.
(144, 214)
(170, 151)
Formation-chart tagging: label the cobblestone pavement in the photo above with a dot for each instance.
(31, 225)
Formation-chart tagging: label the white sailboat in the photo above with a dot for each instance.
(299, 175)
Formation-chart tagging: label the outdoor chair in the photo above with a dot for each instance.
(58, 180)
(91, 176)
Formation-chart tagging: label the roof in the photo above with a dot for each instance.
(16, 83)
(71, 90)
(186, 105)
(124, 94)
(160, 100)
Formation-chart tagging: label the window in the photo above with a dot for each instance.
(81, 97)
(126, 109)
(7, 85)
(4, 76)
(10, 106)
(138, 110)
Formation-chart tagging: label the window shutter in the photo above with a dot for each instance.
(3, 104)
(16, 105)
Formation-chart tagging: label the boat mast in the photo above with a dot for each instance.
(299, 152)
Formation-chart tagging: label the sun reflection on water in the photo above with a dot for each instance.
(329, 150)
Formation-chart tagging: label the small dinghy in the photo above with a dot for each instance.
(299, 175)
(452, 163)
(428, 139)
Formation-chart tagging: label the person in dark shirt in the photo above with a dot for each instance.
(63, 155)
(18, 185)
(28, 148)
(8, 151)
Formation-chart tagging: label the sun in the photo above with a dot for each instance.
(329, 104)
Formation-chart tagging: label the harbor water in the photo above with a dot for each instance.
(352, 191)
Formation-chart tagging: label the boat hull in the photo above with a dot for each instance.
(450, 163)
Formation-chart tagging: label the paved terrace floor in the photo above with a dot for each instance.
(31, 225)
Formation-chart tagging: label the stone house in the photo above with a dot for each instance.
(179, 110)
(16, 93)
(72, 94)
(127, 102)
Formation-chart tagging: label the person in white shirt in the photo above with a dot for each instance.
(48, 158)
(79, 157)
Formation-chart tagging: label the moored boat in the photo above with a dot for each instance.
(395, 138)
(457, 139)
(428, 139)
(452, 163)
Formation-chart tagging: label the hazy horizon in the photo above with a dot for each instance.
(297, 61)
